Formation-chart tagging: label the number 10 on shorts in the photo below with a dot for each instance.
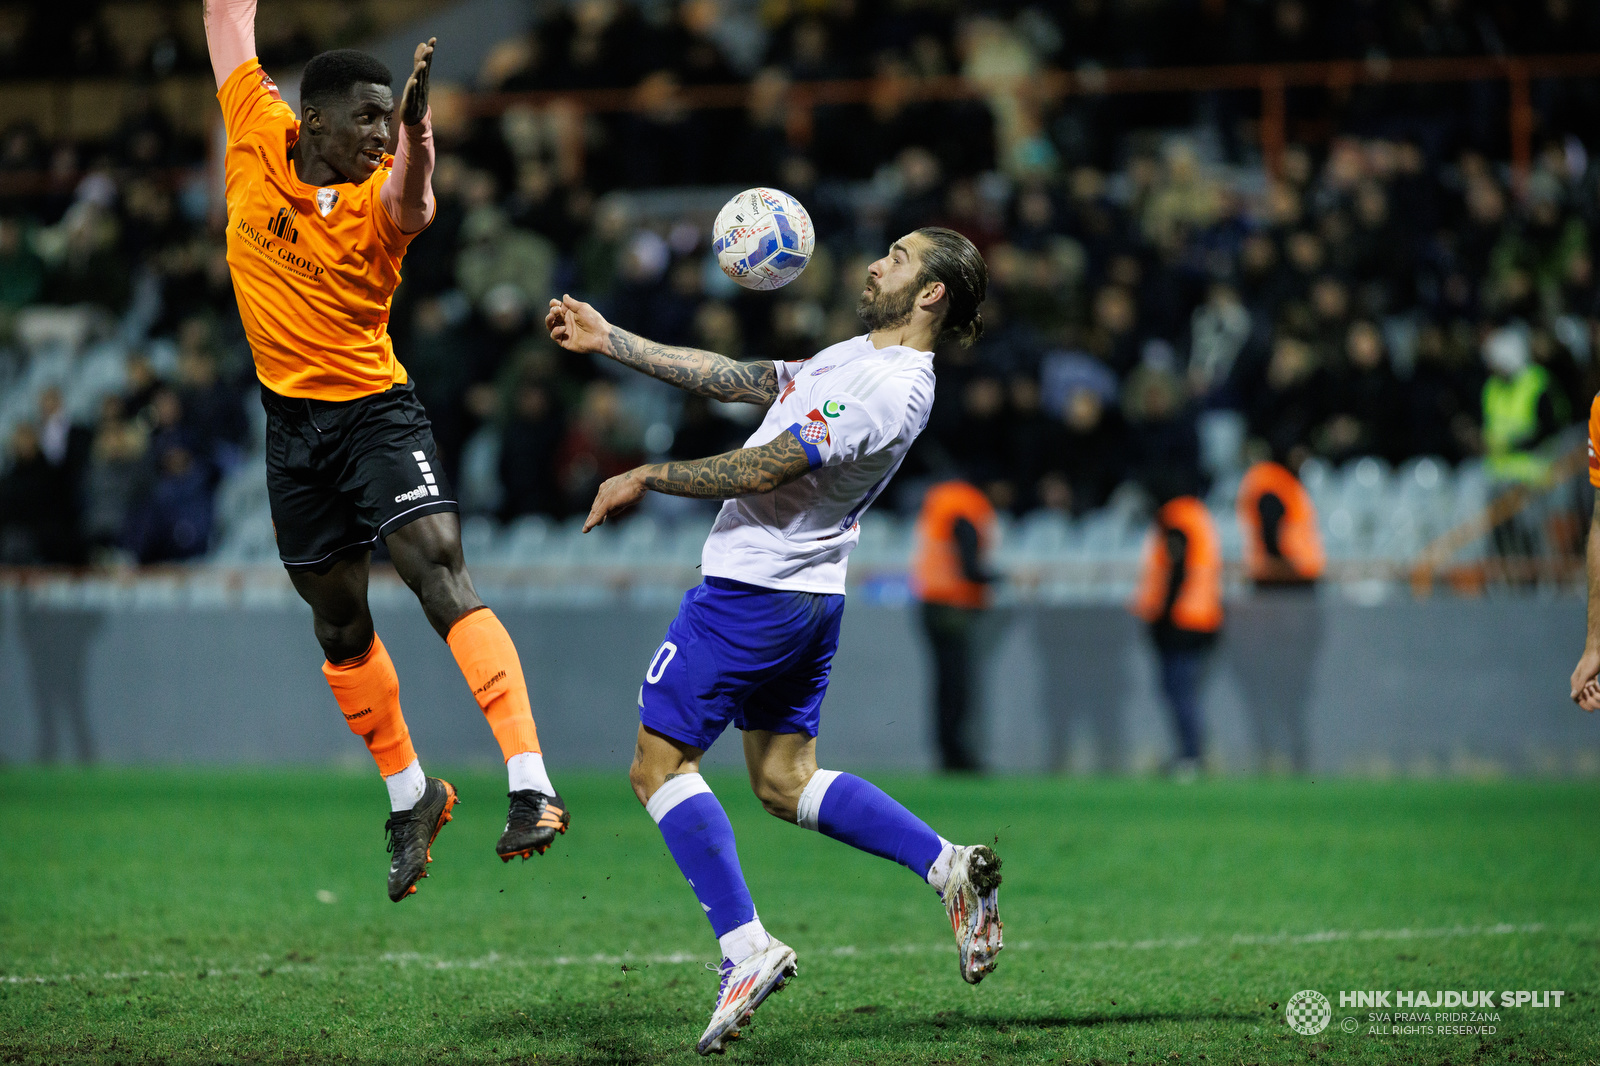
(658, 665)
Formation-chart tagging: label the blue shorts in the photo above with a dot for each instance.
(758, 658)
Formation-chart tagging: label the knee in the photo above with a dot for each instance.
(346, 639)
(644, 781)
(779, 794)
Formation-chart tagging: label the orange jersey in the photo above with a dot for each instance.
(1594, 443)
(314, 267)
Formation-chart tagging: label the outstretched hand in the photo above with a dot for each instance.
(616, 494)
(577, 326)
(1586, 682)
(414, 101)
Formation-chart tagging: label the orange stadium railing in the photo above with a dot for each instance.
(1271, 80)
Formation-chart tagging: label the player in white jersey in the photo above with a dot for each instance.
(753, 644)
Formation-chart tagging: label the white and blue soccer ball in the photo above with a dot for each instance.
(763, 238)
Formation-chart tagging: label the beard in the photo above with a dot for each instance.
(885, 310)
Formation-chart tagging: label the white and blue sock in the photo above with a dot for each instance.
(859, 813)
(700, 837)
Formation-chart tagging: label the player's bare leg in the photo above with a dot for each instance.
(338, 600)
(364, 683)
(784, 776)
(427, 554)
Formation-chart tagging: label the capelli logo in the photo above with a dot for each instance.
(282, 225)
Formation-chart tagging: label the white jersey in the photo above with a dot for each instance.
(855, 409)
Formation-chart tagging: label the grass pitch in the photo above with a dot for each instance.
(198, 917)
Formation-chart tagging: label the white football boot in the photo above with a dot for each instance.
(743, 988)
(971, 899)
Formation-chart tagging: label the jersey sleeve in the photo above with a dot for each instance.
(388, 231)
(250, 102)
(843, 429)
(1594, 443)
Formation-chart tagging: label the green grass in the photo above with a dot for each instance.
(175, 916)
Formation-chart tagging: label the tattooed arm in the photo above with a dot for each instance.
(578, 327)
(744, 472)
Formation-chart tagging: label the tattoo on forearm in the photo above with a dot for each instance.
(702, 372)
(745, 472)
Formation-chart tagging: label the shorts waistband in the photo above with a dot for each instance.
(297, 404)
(727, 584)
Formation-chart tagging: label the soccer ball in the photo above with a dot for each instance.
(763, 238)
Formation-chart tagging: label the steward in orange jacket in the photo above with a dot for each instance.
(1281, 542)
(954, 530)
(1180, 595)
(955, 527)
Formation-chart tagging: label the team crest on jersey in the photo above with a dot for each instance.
(270, 85)
(821, 370)
(816, 430)
(326, 200)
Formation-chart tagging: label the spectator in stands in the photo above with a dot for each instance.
(1163, 438)
(1364, 401)
(64, 443)
(529, 446)
(213, 411)
(174, 522)
(85, 263)
(495, 253)
(38, 509)
(1288, 401)
(1087, 458)
(1442, 398)
(600, 443)
(119, 477)
(1522, 410)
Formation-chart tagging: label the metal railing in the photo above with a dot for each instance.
(801, 99)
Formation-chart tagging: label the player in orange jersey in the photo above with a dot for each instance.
(1586, 678)
(319, 217)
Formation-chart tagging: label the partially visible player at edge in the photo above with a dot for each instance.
(754, 643)
(319, 217)
(1586, 678)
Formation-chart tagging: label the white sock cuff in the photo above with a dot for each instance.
(741, 943)
(406, 786)
(526, 770)
(809, 809)
(939, 872)
(674, 792)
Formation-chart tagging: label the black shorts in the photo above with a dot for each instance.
(340, 475)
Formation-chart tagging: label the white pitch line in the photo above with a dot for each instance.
(494, 960)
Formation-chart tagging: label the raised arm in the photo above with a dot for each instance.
(744, 472)
(578, 327)
(230, 35)
(407, 195)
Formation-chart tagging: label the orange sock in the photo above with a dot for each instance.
(489, 662)
(368, 692)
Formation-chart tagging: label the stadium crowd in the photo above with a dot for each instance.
(1144, 270)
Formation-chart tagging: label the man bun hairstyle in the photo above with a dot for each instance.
(950, 258)
(331, 75)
